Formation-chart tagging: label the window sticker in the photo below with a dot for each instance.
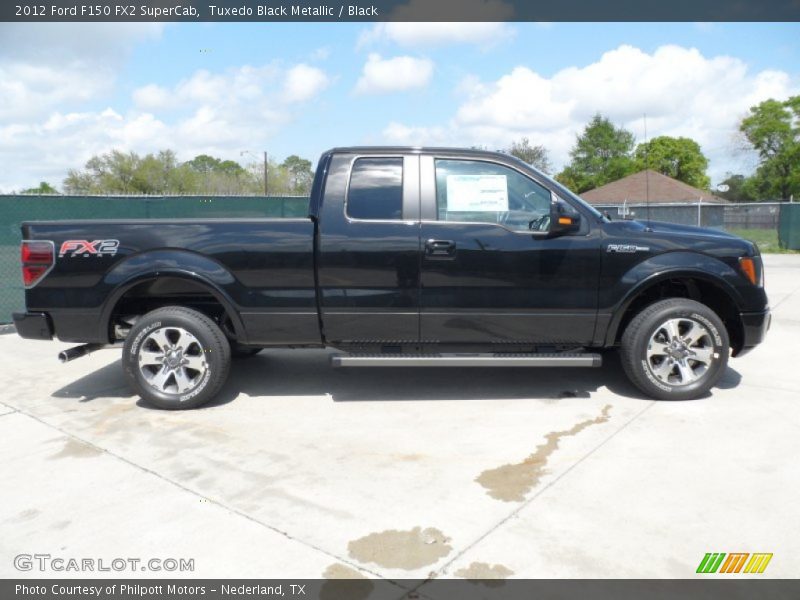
(477, 193)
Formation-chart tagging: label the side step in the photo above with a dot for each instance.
(468, 360)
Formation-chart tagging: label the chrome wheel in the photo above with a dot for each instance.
(172, 360)
(680, 352)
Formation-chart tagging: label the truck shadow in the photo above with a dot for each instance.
(290, 373)
(106, 382)
(287, 373)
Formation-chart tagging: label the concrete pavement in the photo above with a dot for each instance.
(300, 470)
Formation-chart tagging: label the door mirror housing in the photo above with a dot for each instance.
(563, 218)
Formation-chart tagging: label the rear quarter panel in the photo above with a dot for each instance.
(263, 267)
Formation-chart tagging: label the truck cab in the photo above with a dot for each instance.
(429, 249)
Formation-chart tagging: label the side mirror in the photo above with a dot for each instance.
(563, 218)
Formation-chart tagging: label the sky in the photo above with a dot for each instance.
(69, 91)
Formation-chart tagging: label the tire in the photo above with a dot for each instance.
(238, 351)
(176, 358)
(675, 349)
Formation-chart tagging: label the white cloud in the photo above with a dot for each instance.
(55, 126)
(49, 65)
(411, 136)
(304, 82)
(423, 23)
(394, 74)
(413, 35)
(49, 72)
(321, 53)
(63, 43)
(682, 92)
(152, 97)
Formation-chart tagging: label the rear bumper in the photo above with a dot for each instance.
(34, 326)
(755, 327)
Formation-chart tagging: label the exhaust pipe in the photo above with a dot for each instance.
(78, 351)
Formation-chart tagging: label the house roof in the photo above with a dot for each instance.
(633, 189)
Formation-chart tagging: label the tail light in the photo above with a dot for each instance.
(38, 257)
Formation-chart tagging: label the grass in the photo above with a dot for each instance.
(767, 240)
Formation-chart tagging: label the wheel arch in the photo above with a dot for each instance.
(169, 287)
(697, 285)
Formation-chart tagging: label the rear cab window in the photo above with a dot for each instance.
(375, 192)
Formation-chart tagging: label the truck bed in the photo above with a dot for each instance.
(262, 267)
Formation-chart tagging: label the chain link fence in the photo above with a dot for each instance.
(749, 215)
(759, 221)
(16, 209)
(774, 226)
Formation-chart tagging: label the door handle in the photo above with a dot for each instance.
(440, 249)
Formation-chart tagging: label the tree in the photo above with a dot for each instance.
(300, 174)
(217, 176)
(602, 153)
(536, 156)
(44, 188)
(680, 158)
(163, 174)
(203, 163)
(773, 130)
(119, 172)
(739, 188)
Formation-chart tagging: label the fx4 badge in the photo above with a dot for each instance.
(626, 248)
(74, 248)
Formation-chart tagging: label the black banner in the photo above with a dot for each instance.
(399, 10)
(710, 588)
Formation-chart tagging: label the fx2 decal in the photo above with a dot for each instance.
(74, 248)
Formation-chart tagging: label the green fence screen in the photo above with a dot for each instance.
(16, 209)
(789, 227)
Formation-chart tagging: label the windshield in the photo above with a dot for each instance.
(565, 193)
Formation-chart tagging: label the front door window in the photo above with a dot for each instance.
(474, 191)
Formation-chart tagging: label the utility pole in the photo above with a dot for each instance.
(266, 163)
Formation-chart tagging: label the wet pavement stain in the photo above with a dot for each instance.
(26, 515)
(510, 483)
(340, 571)
(485, 573)
(75, 449)
(406, 550)
(344, 583)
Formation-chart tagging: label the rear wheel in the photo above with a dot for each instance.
(675, 349)
(176, 358)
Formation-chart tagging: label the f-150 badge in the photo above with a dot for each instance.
(626, 248)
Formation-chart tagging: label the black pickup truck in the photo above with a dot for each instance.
(408, 257)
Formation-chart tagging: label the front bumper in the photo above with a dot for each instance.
(34, 326)
(755, 327)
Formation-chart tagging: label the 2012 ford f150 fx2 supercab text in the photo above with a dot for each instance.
(408, 257)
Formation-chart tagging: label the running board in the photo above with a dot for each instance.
(467, 360)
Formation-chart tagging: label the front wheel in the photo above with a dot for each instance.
(176, 358)
(675, 349)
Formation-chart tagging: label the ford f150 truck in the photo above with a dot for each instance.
(408, 257)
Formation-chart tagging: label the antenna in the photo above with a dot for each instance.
(647, 172)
